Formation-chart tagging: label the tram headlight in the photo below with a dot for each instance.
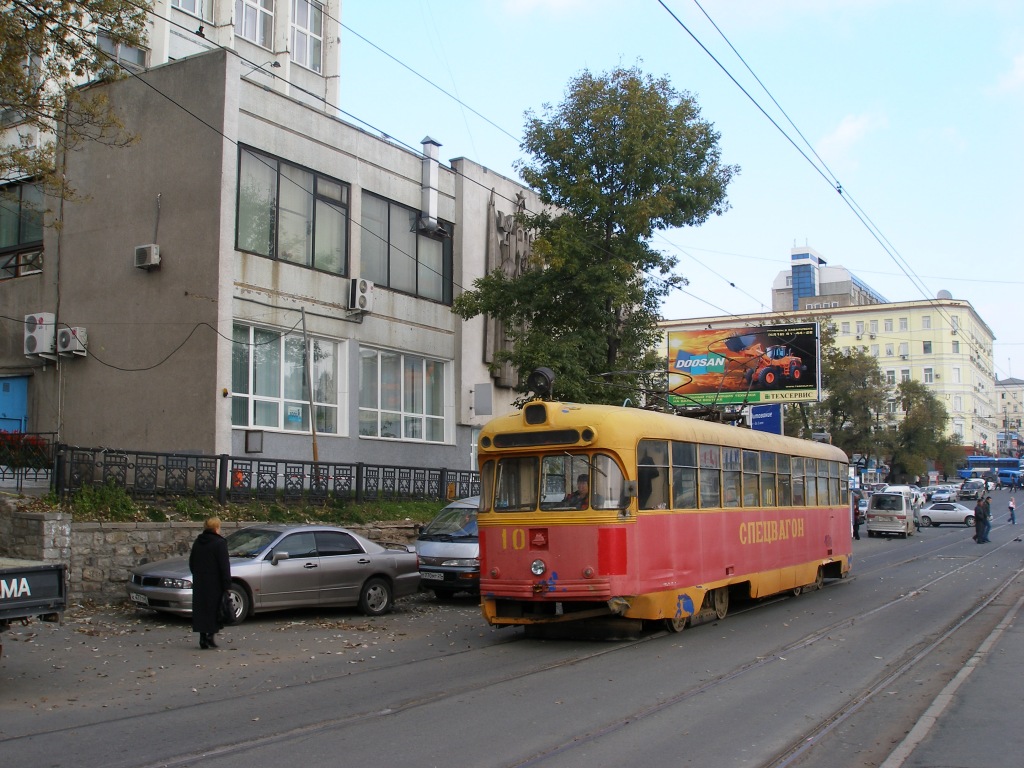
(537, 567)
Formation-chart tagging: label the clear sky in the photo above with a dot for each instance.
(915, 107)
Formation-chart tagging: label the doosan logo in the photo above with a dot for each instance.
(15, 588)
(685, 361)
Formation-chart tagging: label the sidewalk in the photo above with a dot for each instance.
(973, 723)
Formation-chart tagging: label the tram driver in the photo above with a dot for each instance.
(580, 498)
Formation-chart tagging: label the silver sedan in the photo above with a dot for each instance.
(274, 567)
(947, 512)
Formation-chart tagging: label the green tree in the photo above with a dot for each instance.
(623, 156)
(920, 436)
(48, 50)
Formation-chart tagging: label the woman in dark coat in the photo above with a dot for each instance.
(211, 577)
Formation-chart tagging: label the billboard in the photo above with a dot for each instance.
(723, 366)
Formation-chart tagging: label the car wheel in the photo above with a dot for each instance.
(239, 598)
(969, 521)
(375, 598)
(926, 521)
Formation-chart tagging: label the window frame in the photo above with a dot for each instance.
(394, 405)
(24, 256)
(283, 401)
(320, 205)
(312, 40)
(263, 22)
(375, 246)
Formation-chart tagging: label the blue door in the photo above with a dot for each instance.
(14, 404)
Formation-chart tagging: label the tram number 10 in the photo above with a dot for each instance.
(514, 538)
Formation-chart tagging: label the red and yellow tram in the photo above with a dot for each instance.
(596, 511)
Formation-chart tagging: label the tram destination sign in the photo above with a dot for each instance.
(729, 366)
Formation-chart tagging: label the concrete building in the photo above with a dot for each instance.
(941, 342)
(1010, 404)
(810, 283)
(169, 309)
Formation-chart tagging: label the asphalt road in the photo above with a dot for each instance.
(914, 661)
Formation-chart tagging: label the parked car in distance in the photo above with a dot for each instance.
(891, 513)
(972, 489)
(947, 513)
(274, 567)
(944, 493)
(449, 549)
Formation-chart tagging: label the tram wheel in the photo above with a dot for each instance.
(675, 625)
(721, 602)
(818, 583)
(796, 591)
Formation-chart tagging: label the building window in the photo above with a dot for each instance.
(401, 397)
(926, 347)
(905, 374)
(308, 34)
(846, 351)
(845, 328)
(954, 320)
(128, 56)
(888, 350)
(254, 20)
(956, 375)
(396, 255)
(890, 378)
(904, 324)
(200, 8)
(874, 350)
(958, 403)
(929, 377)
(892, 406)
(873, 326)
(291, 214)
(21, 230)
(860, 327)
(904, 348)
(926, 322)
(268, 381)
(956, 347)
(887, 325)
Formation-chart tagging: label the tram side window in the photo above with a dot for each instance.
(823, 482)
(652, 474)
(684, 475)
(516, 486)
(731, 476)
(767, 479)
(710, 475)
(751, 472)
(785, 480)
(836, 489)
(798, 481)
(810, 483)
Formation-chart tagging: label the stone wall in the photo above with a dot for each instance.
(100, 555)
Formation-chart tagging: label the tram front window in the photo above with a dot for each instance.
(579, 481)
(516, 486)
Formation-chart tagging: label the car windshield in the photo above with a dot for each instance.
(250, 542)
(452, 523)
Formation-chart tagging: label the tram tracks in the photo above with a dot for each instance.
(446, 695)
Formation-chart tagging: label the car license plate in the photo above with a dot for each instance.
(431, 576)
(140, 599)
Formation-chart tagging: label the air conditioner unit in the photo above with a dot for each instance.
(872, 335)
(360, 295)
(147, 256)
(938, 376)
(39, 334)
(72, 341)
(860, 336)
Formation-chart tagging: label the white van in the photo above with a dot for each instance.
(449, 549)
(892, 513)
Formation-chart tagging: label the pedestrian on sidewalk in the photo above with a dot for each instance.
(1013, 511)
